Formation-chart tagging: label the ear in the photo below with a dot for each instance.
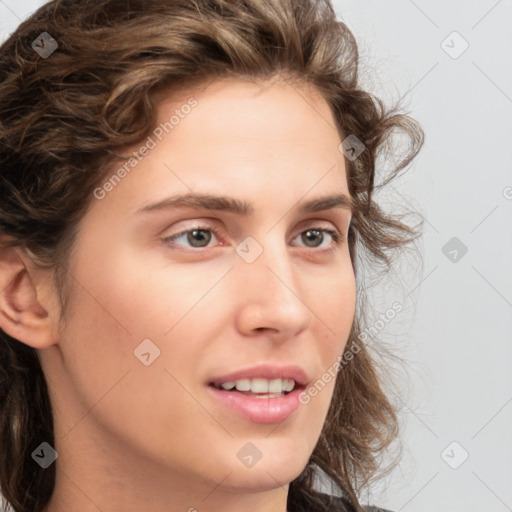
(28, 309)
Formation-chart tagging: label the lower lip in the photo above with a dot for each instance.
(259, 410)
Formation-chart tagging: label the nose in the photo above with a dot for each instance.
(271, 294)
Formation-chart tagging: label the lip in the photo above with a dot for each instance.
(265, 371)
(261, 410)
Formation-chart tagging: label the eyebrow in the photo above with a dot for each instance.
(240, 207)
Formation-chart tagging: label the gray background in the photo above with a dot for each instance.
(454, 333)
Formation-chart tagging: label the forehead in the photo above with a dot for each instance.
(243, 102)
(241, 124)
(257, 139)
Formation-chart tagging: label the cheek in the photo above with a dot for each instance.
(336, 307)
(112, 389)
(137, 297)
(155, 297)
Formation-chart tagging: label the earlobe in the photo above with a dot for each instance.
(23, 313)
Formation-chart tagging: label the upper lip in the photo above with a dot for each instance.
(265, 371)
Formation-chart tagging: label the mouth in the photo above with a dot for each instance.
(263, 394)
(259, 387)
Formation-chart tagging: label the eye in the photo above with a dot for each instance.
(197, 237)
(314, 237)
(200, 236)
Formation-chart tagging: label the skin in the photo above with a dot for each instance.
(129, 435)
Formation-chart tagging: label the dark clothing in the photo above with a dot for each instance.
(342, 504)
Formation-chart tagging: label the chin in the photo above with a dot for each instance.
(261, 479)
(278, 466)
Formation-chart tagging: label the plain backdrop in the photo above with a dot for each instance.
(450, 62)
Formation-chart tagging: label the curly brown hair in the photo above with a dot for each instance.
(61, 120)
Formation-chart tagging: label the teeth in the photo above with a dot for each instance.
(259, 385)
(290, 384)
(275, 386)
(243, 385)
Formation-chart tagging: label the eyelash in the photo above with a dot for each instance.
(337, 237)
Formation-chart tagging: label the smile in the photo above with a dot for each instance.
(259, 387)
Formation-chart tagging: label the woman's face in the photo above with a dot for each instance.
(168, 301)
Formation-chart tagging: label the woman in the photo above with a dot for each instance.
(186, 199)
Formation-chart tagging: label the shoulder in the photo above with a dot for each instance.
(342, 504)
